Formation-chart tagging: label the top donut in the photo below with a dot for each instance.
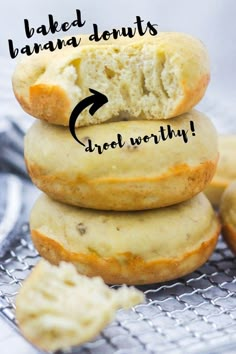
(143, 78)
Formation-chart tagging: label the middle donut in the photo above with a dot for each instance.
(159, 172)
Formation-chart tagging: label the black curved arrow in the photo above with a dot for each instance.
(97, 100)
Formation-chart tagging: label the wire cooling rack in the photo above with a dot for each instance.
(195, 314)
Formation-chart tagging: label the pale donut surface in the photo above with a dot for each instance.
(228, 215)
(126, 247)
(225, 171)
(129, 178)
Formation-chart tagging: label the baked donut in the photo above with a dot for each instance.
(228, 216)
(225, 171)
(126, 247)
(132, 177)
(149, 77)
(57, 308)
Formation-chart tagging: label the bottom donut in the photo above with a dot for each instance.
(137, 247)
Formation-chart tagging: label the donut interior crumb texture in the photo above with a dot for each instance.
(150, 77)
(58, 308)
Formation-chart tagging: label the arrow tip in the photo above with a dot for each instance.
(99, 100)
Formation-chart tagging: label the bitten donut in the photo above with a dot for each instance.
(57, 308)
(149, 77)
(126, 247)
(132, 177)
(226, 169)
(228, 216)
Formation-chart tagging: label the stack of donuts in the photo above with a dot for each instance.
(134, 214)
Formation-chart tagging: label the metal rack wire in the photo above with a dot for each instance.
(197, 312)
